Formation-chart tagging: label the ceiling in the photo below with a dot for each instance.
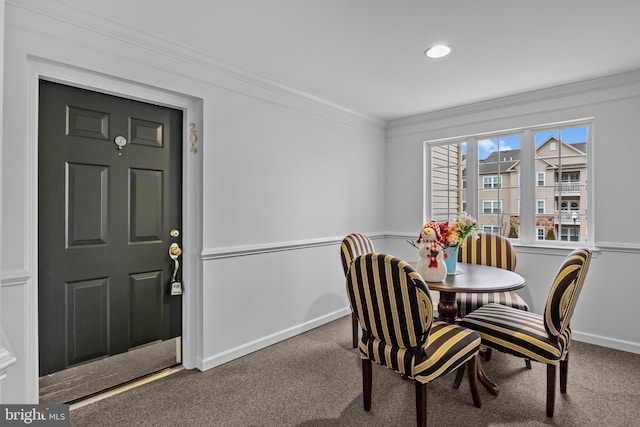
(367, 55)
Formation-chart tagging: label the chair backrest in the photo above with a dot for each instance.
(353, 245)
(565, 291)
(488, 249)
(393, 306)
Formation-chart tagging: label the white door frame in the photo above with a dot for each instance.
(191, 193)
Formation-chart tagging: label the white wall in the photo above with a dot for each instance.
(7, 359)
(284, 177)
(606, 313)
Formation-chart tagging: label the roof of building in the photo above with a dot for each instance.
(505, 160)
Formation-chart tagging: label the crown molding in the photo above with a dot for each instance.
(628, 79)
(72, 16)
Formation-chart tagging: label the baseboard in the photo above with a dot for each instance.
(617, 344)
(243, 350)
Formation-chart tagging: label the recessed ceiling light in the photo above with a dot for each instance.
(437, 51)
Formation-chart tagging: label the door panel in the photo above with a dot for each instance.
(146, 205)
(88, 319)
(87, 187)
(109, 193)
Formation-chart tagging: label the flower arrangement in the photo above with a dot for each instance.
(453, 233)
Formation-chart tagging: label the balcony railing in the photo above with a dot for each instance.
(568, 187)
(567, 216)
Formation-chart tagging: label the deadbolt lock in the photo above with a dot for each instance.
(174, 232)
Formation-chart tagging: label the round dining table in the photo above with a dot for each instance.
(472, 278)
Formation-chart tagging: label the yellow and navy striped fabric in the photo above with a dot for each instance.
(394, 308)
(565, 290)
(353, 245)
(544, 338)
(517, 332)
(488, 249)
(495, 251)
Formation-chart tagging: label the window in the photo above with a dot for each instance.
(491, 206)
(492, 181)
(491, 229)
(529, 184)
(570, 234)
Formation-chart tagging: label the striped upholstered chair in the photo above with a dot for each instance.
(543, 338)
(394, 308)
(353, 245)
(495, 251)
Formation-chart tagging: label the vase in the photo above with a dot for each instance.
(451, 260)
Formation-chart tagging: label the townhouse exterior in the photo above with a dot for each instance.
(560, 189)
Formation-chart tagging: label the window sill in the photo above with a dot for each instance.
(552, 249)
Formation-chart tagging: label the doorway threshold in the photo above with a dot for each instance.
(91, 378)
(121, 389)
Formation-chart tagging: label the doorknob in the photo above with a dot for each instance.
(174, 253)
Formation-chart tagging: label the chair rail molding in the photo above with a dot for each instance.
(256, 249)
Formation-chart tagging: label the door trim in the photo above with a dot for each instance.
(192, 187)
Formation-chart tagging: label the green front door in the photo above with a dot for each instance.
(109, 207)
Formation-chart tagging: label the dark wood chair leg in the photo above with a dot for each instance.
(564, 372)
(366, 383)
(459, 375)
(551, 389)
(354, 329)
(421, 404)
(527, 363)
(472, 372)
(487, 354)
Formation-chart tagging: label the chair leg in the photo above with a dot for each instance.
(472, 372)
(551, 389)
(421, 404)
(459, 375)
(487, 354)
(527, 363)
(564, 372)
(366, 383)
(354, 329)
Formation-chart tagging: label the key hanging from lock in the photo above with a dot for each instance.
(174, 253)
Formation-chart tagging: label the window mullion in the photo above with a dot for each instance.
(528, 180)
(474, 182)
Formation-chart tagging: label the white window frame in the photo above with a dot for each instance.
(493, 229)
(527, 234)
(538, 202)
(493, 207)
(567, 233)
(539, 233)
(538, 175)
(495, 181)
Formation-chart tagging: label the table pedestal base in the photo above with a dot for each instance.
(482, 376)
(448, 312)
(447, 307)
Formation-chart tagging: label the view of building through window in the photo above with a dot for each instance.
(488, 177)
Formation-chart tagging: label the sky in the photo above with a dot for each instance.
(569, 136)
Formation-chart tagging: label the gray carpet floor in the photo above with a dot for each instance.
(314, 379)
